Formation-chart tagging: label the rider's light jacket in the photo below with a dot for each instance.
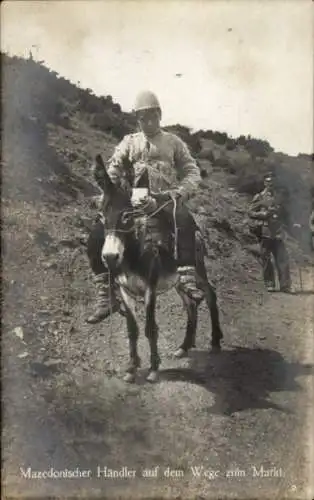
(167, 158)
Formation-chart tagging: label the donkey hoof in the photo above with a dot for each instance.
(215, 348)
(152, 376)
(180, 353)
(129, 377)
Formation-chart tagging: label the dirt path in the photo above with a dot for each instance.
(245, 408)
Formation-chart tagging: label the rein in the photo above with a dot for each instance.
(139, 212)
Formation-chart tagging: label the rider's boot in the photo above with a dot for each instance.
(188, 282)
(107, 302)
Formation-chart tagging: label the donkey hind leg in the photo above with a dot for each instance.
(151, 332)
(191, 307)
(133, 332)
(211, 300)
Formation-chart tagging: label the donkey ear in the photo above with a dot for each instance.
(100, 174)
(143, 181)
(129, 174)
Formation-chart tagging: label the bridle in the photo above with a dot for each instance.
(141, 213)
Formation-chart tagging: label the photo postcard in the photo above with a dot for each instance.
(157, 250)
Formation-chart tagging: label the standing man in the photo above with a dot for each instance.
(266, 215)
(170, 168)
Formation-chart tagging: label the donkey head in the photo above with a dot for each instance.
(116, 213)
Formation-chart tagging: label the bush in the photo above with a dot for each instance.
(256, 147)
(103, 121)
(206, 154)
(64, 120)
(191, 140)
(116, 108)
(230, 144)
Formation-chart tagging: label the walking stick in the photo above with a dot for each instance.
(300, 277)
(298, 226)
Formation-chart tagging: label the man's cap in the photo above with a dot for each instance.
(146, 100)
(269, 176)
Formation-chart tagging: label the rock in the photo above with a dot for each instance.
(19, 332)
(44, 370)
(43, 238)
(50, 265)
(69, 242)
(23, 355)
(53, 362)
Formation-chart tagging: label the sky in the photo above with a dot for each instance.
(237, 66)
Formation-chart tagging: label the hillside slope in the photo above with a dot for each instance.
(62, 378)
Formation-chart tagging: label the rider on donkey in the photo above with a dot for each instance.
(170, 169)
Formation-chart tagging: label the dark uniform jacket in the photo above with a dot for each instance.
(266, 216)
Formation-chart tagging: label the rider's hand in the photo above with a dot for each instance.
(147, 203)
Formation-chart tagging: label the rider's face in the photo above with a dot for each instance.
(268, 182)
(149, 121)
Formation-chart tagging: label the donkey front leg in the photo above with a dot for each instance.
(211, 300)
(133, 333)
(151, 332)
(190, 333)
(217, 335)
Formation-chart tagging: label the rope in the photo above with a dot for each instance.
(141, 212)
(174, 213)
(110, 305)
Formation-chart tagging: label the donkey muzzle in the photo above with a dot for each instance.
(112, 260)
(112, 252)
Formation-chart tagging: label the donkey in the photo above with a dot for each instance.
(142, 268)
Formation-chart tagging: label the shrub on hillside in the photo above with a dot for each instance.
(108, 122)
(120, 129)
(249, 183)
(230, 144)
(89, 103)
(206, 154)
(256, 147)
(192, 140)
(116, 108)
(64, 120)
(219, 138)
(103, 121)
